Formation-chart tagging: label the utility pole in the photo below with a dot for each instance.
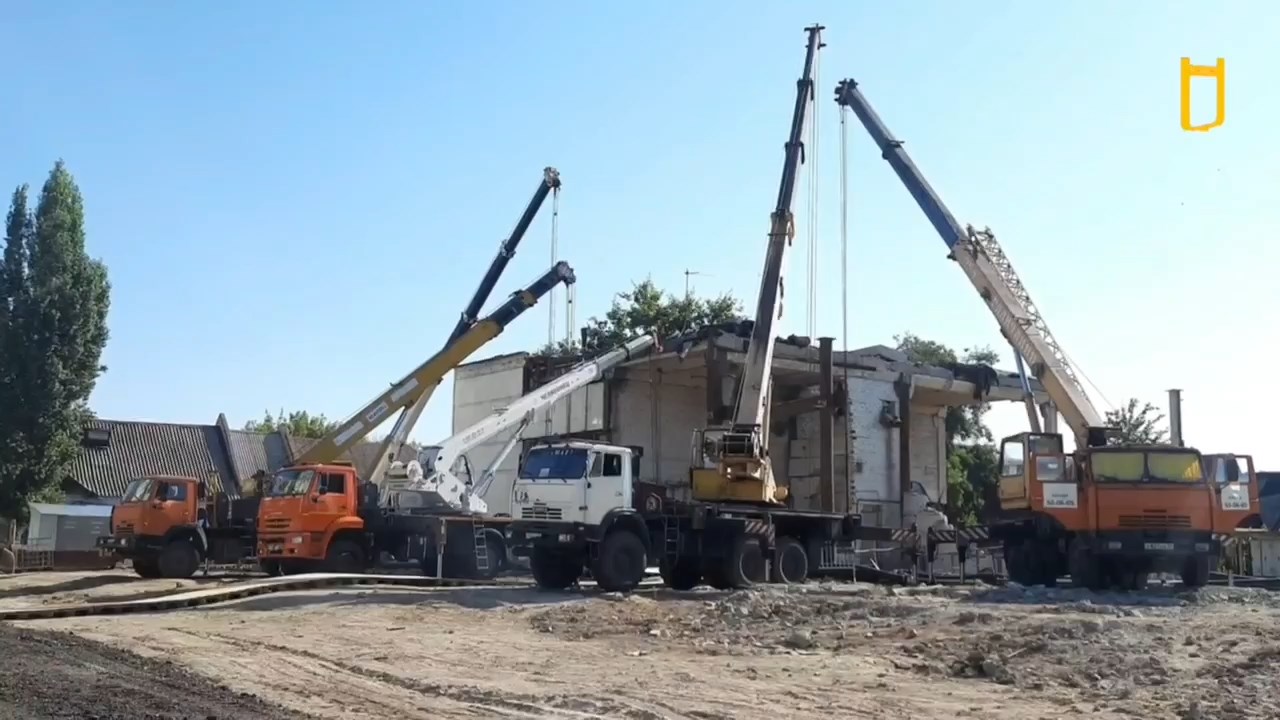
(688, 289)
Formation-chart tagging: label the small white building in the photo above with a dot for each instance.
(657, 402)
(66, 528)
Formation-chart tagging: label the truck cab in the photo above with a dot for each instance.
(310, 515)
(574, 482)
(1109, 514)
(167, 525)
(572, 510)
(1236, 486)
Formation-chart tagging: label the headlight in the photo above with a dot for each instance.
(297, 539)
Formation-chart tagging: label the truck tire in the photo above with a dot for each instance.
(681, 574)
(344, 556)
(146, 567)
(1086, 569)
(790, 562)
(553, 570)
(1195, 571)
(620, 561)
(745, 565)
(178, 560)
(716, 574)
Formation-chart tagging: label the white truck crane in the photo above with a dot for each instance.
(582, 505)
(440, 479)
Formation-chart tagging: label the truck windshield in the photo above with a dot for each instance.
(289, 482)
(555, 464)
(1159, 466)
(137, 490)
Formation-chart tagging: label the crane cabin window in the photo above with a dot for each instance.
(1150, 466)
(555, 463)
(138, 490)
(288, 483)
(612, 465)
(1013, 458)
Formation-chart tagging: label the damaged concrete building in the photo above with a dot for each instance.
(886, 426)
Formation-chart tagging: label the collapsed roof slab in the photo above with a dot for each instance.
(796, 363)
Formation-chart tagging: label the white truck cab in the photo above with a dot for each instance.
(573, 481)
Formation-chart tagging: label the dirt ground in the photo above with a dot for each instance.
(817, 651)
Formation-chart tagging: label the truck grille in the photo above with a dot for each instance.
(124, 529)
(1155, 521)
(277, 524)
(541, 512)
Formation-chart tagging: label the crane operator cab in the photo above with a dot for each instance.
(574, 482)
(1033, 465)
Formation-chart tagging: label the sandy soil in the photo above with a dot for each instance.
(817, 651)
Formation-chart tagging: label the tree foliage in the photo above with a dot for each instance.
(1137, 424)
(298, 424)
(647, 309)
(972, 459)
(54, 300)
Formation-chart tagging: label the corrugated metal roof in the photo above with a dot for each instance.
(71, 510)
(136, 449)
(253, 451)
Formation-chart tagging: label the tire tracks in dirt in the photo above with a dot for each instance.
(469, 699)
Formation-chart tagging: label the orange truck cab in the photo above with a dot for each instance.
(317, 518)
(1110, 515)
(168, 525)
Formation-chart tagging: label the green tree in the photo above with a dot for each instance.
(972, 459)
(298, 424)
(54, 301)
(643, 309)
(1137, 423)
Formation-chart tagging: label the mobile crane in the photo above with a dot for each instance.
(742, 471)
(321, 515)
(1105, 514)
(434, 484)
(167, 525)
(391, 446)
(581, 505)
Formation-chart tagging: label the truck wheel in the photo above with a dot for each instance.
(179, 560)
(1195, 571)
(553, 570)
(790, 562)
(745, 565)
(344, 556)
(682, 574)
(1086, 569)
(146, 568)
(715, 572)
(620, 562)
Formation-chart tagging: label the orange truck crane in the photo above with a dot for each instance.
(168, 525)
(318, 515)
(1106, 514)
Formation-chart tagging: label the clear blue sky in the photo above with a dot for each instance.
(295, 203)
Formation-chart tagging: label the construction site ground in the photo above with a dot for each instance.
(817, 651)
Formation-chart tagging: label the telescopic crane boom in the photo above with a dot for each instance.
(433, 484)
(399, 435)
(992, 275)
(744, 471)
(429, 373)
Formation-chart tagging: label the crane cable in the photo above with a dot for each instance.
(812, 155)
(555, 251)
(844, 295)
